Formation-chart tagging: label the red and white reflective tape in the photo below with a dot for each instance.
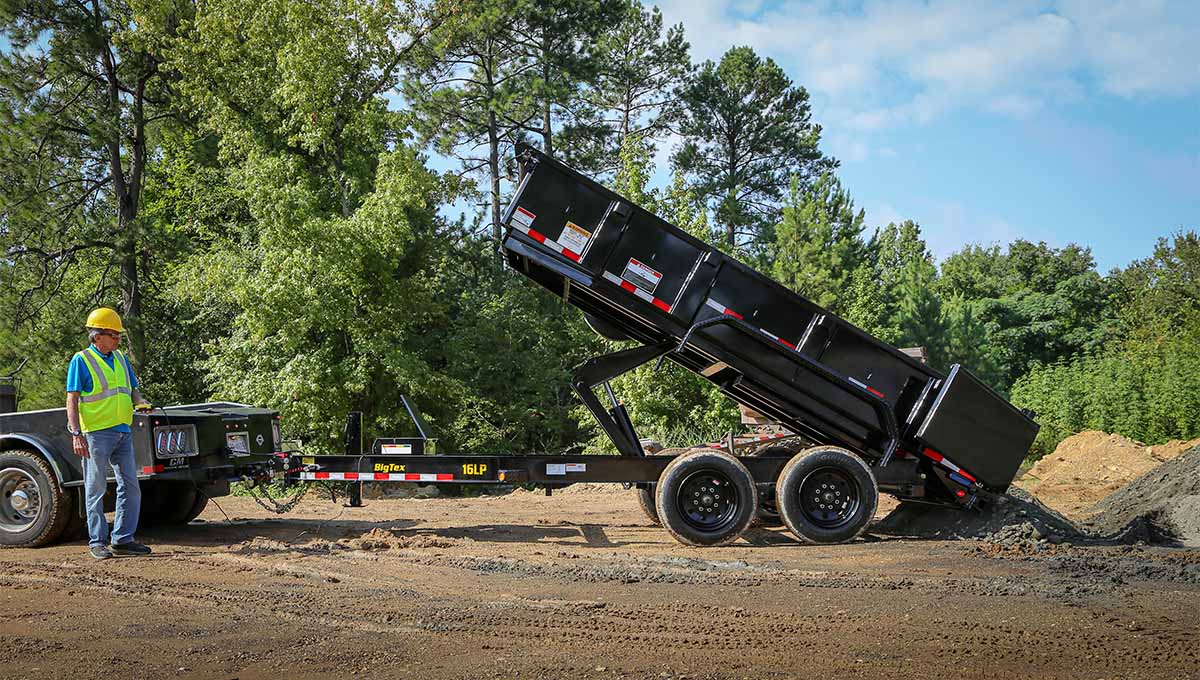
(637, 292)
(376, 477)
(548, 242)
(722, 309)
(941, 460)
(866, 387)
(776, 338)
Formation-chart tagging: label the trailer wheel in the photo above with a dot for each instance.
(646, 502)
(34, 509)
(706, 498)
(826, 494)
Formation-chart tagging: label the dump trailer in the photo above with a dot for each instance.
(860, 416)
(185, 455)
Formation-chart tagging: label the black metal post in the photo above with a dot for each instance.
(354, 447)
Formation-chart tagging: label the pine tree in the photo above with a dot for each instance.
(818, 245)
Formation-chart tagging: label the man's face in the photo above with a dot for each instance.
(106, 341)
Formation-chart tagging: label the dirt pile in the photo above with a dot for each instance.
(1089, 466)
(1161, 506)
(1015, 519)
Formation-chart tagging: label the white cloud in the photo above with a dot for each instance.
(892, 62)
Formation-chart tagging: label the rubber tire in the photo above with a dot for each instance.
(673, 477)
(168, 503)
(646, 503)
(76, 528)
(604, 329)
(787, 494)
(49, 525)
(198, 507)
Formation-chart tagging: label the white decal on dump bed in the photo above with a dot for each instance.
(522, 217)
(574, 237)
(641, 275)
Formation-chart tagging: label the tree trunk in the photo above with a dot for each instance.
(494, 169)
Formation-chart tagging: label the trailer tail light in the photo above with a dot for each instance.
(960, 493)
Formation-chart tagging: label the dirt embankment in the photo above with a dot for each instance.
(1090, 466)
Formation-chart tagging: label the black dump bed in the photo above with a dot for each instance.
(639, 277)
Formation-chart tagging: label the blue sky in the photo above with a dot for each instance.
(1073, 121)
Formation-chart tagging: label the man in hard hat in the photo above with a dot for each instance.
(101, 393)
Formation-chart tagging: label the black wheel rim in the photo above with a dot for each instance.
(829, 497)
(708, 500)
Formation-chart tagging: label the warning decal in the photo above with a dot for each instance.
(522, 217)
(574, 237)
(641, 276)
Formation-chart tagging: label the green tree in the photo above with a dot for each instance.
(919, 310)
(472, 92)
(818, 245)
(641, 68)
(82, 89)
(560, 38)
(747, 132)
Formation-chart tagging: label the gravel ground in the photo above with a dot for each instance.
(582, 585)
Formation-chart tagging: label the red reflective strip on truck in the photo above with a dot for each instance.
(151, 469)
(536, 235)
(350, 476)
(732, 313)
(874, 391)
(321, 475)
(381, 475)
(966, 474)
(628, 286)
(570, 254)
(661, 305)
(785, 342)
(637, 292)
(932, 454)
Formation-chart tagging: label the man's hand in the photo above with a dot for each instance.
(79, 442)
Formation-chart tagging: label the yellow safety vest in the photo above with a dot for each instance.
(110, 401)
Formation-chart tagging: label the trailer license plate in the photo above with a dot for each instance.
(641, 276)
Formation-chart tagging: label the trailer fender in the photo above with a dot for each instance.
(21, 440)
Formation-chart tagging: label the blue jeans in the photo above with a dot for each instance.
(108, 447)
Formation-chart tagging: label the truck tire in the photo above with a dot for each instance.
(646, 502)
(826, 494)
(706, 498)
(198, 507)
(171, 504)
(34, 509)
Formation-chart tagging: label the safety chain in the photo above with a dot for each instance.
(266, 502)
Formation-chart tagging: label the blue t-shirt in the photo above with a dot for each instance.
(79, 378)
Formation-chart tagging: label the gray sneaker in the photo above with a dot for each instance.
(132, 548)
(100, 552)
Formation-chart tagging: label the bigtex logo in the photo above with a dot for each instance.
(388, 467)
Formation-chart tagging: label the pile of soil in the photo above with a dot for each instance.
(1090, 466)
(1161, 506)
(1015, 519)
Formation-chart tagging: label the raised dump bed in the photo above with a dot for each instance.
(640, 278)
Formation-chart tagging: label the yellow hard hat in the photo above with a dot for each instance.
(105, 318)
